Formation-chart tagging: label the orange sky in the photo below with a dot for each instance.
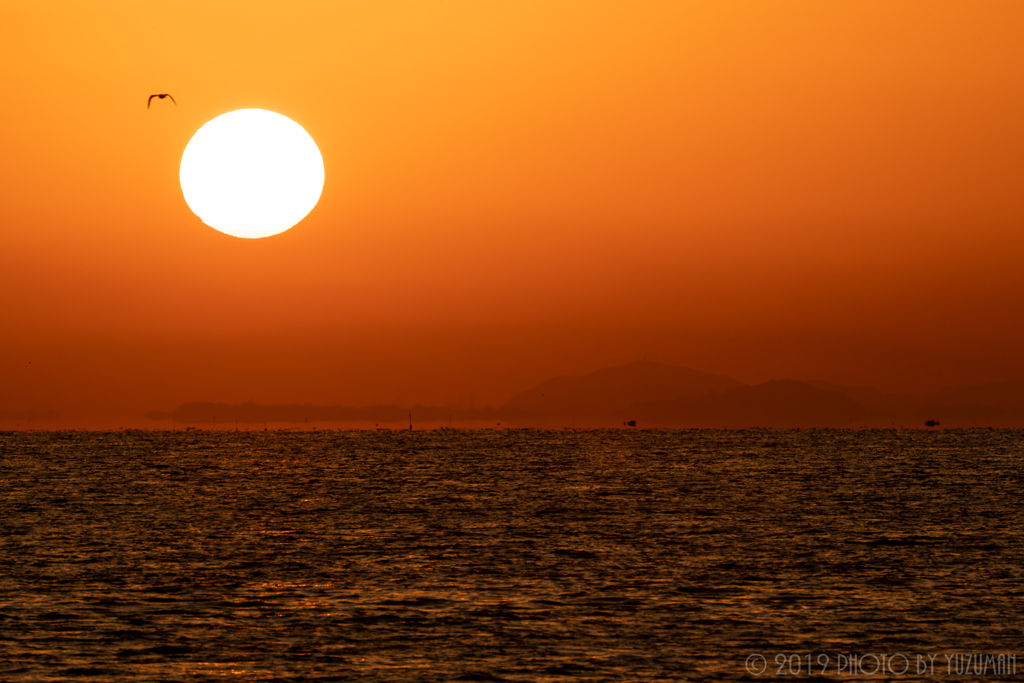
(513, 190)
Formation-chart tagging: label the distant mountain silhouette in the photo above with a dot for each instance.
(610, 392)
(654, 394)
(877, 403)
(778, 403)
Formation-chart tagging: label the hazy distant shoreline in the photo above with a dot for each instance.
(646, 393)
(655, 395)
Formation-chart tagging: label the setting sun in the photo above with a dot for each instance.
(252, 173)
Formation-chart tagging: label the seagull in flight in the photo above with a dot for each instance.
(161, 96)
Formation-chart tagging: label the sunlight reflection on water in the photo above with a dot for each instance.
(512, 555)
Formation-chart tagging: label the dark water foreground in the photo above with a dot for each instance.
(517, 555)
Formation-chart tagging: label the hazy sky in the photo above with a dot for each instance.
(514, 190)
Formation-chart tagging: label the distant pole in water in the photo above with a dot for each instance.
(264, 425)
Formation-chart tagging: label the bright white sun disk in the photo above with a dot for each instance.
(251, 173)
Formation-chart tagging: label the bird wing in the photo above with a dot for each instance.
(172, 99)
(150, 100)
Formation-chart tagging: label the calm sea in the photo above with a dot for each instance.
(510, 555)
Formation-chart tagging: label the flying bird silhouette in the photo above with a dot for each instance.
(161, 96)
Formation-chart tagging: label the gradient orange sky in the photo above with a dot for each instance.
(514, 190)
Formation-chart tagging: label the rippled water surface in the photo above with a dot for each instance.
(511, 555)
